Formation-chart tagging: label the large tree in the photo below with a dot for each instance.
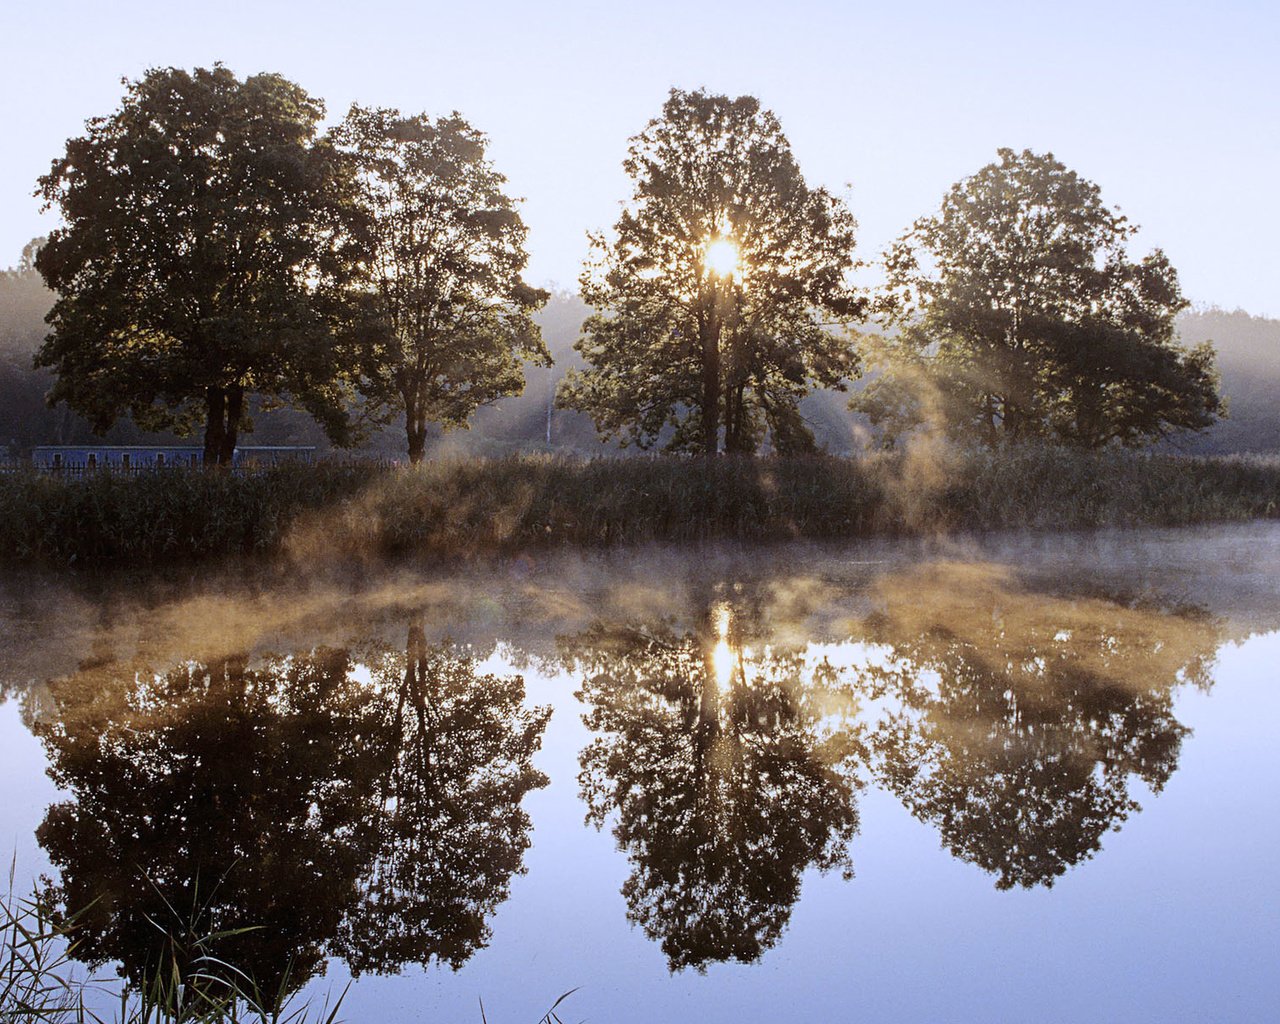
(195, 253)
(1021, 315)
(444, 318)
(688, 348)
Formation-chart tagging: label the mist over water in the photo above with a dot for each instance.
(799, 781)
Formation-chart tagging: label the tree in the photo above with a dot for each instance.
(1021, 315)
(713, 292)
(195, 256)
(445, 317)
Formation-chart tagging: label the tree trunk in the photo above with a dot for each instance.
(417, 437)
(989, 422)
(215, 403)
(711, 377)
(231, 432)
(1089, 416)
(735, 422)
(223, 410)
(415, 427)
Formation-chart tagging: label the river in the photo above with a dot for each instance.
(995, 779)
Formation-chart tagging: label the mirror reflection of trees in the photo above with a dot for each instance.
(369, 805)
(1019, 722)
(724, 778)
(292, 807)
(455, 762)
(209, 798)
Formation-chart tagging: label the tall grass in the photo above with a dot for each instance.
(41, 982)
(479, 506)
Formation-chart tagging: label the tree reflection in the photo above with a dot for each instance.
(455, 763)
(724, 777)
(291, 808)
(1017, 721)
(205, 799)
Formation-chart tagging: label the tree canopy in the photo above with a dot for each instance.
(195, 255)
(444, 319)
(689, 349)
(1020, 315)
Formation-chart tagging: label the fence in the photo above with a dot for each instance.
(247, 468)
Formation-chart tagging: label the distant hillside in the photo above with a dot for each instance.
(1249, 361)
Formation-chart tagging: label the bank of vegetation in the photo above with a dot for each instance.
(471, 508)
(42, 982)
(370, 276)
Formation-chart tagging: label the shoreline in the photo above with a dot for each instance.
(480, 508)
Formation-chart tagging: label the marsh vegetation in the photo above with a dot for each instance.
(468, 507)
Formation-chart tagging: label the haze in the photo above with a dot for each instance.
(1171, 108)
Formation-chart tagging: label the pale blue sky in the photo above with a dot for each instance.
(1173, 108)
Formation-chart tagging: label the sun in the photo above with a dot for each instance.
(722, 257)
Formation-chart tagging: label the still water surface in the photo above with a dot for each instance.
(1026, 779)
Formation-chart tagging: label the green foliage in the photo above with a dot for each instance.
(442, 317)
(1021, 316)
(196, 255)
(41, 981)
(165, 516)
(680, 352)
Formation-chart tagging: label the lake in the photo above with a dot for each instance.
(995, 779)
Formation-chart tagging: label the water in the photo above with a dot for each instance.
(1030, 778)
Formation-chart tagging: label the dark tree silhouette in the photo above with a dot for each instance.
(722, 780)
(195, 256)
(206, 799)
(685, 350)
(444, 317)
(272, 816)
(1022, 316)
(1020, 720)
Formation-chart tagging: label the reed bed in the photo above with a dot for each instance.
(42, 981)
(476, 507)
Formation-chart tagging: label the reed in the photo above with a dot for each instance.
(485, 506)
(42, 983)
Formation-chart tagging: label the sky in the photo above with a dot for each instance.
(1172, 108)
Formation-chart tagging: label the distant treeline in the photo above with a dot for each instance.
(1248, 359)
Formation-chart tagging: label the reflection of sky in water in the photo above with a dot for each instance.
(1173, 919)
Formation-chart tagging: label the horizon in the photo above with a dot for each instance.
(559, 93)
